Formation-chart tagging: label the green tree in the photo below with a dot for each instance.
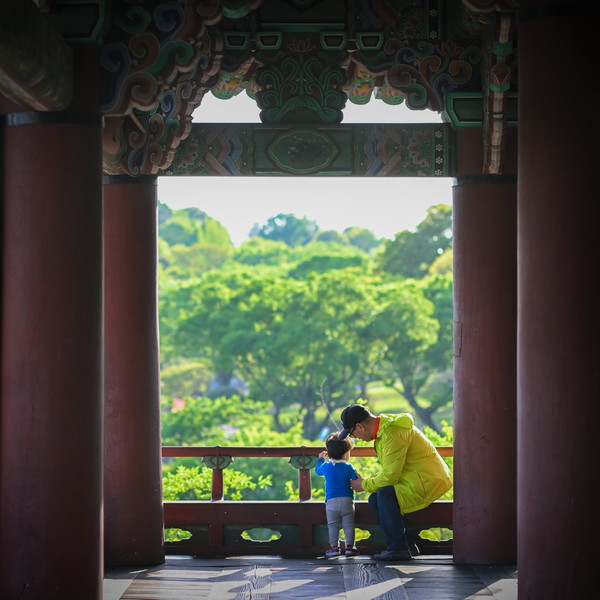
(406, 330)
(330, 235)
(194, 483)
(320, 257)
(212, 421)
(293, 342)
(362, 238)
(179, 229)
(189, 226)
(261, 251)
(192, 261)
(190, 243)
(410, 254)
(185, 378)
(288, 228)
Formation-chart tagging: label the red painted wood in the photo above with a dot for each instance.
(485, 313)
(559, 299)
(217, 484)
(305, 515)
(213, 517)
(133, 498)
(51, 494)
(304, 485)
(270, 451)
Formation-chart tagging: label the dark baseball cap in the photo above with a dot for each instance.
(351, 415)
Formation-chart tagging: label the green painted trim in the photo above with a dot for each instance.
(269, 40)
(371, 40)
(466, 109)
(502, 48)
(231, 43)
(500, 88)
(337, 40)
(79, 21)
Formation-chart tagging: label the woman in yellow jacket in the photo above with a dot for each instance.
(412, 473)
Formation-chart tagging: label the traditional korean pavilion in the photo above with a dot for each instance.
(96, 98)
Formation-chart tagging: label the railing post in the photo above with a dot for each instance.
(304, 464)
(217, 464)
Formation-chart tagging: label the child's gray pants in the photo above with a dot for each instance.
(340, 515)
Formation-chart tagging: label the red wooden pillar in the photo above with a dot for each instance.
(133, 491)
(559, 300)
(51, 389)
(485, 299)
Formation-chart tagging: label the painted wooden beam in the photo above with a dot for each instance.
(366, 150)
(36, 64)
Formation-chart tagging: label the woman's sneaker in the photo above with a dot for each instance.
(333, 551)
(351, 551)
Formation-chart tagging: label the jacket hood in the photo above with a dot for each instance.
(404, 420)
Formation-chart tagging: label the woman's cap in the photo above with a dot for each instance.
(351, 415)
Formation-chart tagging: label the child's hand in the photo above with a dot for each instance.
(323, 454)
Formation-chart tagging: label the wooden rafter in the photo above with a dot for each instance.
(36, 64)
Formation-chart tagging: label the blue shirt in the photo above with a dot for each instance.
(337, 478)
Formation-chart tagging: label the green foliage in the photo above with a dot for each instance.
(304, 323)
(410, 254)
(259, 478)
(186, 378)
(194, 483)
(208, 422)
(190, 226)
(179, 229)
(286, 338)
(190, 243)
(261, 251)
(176, 535)
(318, 257)
(442, 265)
(330, 235)
(436, 534)
(362, 238)
(288, 228)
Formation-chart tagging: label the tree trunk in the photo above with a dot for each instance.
(423, 413)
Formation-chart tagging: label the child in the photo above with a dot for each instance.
(339, 497)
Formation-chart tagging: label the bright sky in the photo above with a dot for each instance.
(383, 205)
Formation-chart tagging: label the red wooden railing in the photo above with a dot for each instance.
(216, 526)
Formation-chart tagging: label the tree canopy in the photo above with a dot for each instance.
(411, 253)
(303, 323)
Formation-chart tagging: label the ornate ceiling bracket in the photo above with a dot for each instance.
(300, 82)
(316, 149)
(420, 74)
(36, 64)
(304, 70)
(158, 62)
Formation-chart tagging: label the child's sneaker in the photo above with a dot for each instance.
(351, 551)
(333, 551)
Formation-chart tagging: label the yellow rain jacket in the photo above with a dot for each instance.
(409, 462)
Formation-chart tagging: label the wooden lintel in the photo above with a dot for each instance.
(36, 64)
